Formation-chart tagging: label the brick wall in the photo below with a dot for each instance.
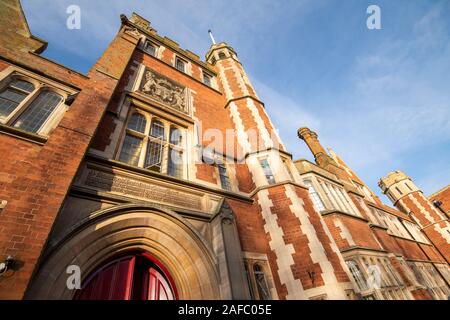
(444, 197)
(35, 178)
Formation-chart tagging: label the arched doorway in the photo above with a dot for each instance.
(118, 231)
(136, 276)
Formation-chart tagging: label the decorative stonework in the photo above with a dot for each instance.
(137, 187)
(141, 23)
(148, 191)
(164, 90)
(226, 214)
(132, 32)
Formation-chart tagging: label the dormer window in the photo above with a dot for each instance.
(207, 79)
(150, 48)
(180, 65)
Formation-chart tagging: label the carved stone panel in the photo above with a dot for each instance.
(130, 187)
(137, 187)
(164, 90)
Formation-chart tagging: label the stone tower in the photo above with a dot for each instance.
(407, 197)
(302, 250)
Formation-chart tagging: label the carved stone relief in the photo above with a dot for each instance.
(164, 90)
(146, 189)
(130, 187)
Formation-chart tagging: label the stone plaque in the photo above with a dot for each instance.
(144, 190)
(164, 90)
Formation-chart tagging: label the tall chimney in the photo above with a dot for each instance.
(319, 152)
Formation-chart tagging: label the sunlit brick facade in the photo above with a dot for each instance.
(160, 176)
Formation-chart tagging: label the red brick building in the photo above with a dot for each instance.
(441, 200)
(160, 176)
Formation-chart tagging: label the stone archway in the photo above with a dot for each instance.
(162, 233)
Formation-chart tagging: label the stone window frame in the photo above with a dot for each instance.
(415, 231)
(40, 84)
(330, 197)
(364, 190)
(150, 117)
(400, 229)
(210, 157)
(154, 45)
(272, 180)
(393, 223)
(185, 64)
(357, 273)
(421, 271)
(364, 259)
(315, 196)
(206, 74)
(290, 173)
(250, 260)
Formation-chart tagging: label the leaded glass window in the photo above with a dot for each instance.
(38, 111)
(357, 274)
(12, 95)
(149, 146)
(314, 196)
(261, 282)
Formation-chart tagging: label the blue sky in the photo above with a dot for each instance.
(378, 98)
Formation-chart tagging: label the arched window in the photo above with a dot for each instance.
(12, 95)
(38, 111)
(222, 55)
(357, 274)
(132, 277)
(261, 282)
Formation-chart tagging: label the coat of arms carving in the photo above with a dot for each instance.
(164, 90)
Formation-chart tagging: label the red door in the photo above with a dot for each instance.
(112, 282)
(158, 288)
(128, 278)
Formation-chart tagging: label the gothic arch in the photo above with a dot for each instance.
(105, 233)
